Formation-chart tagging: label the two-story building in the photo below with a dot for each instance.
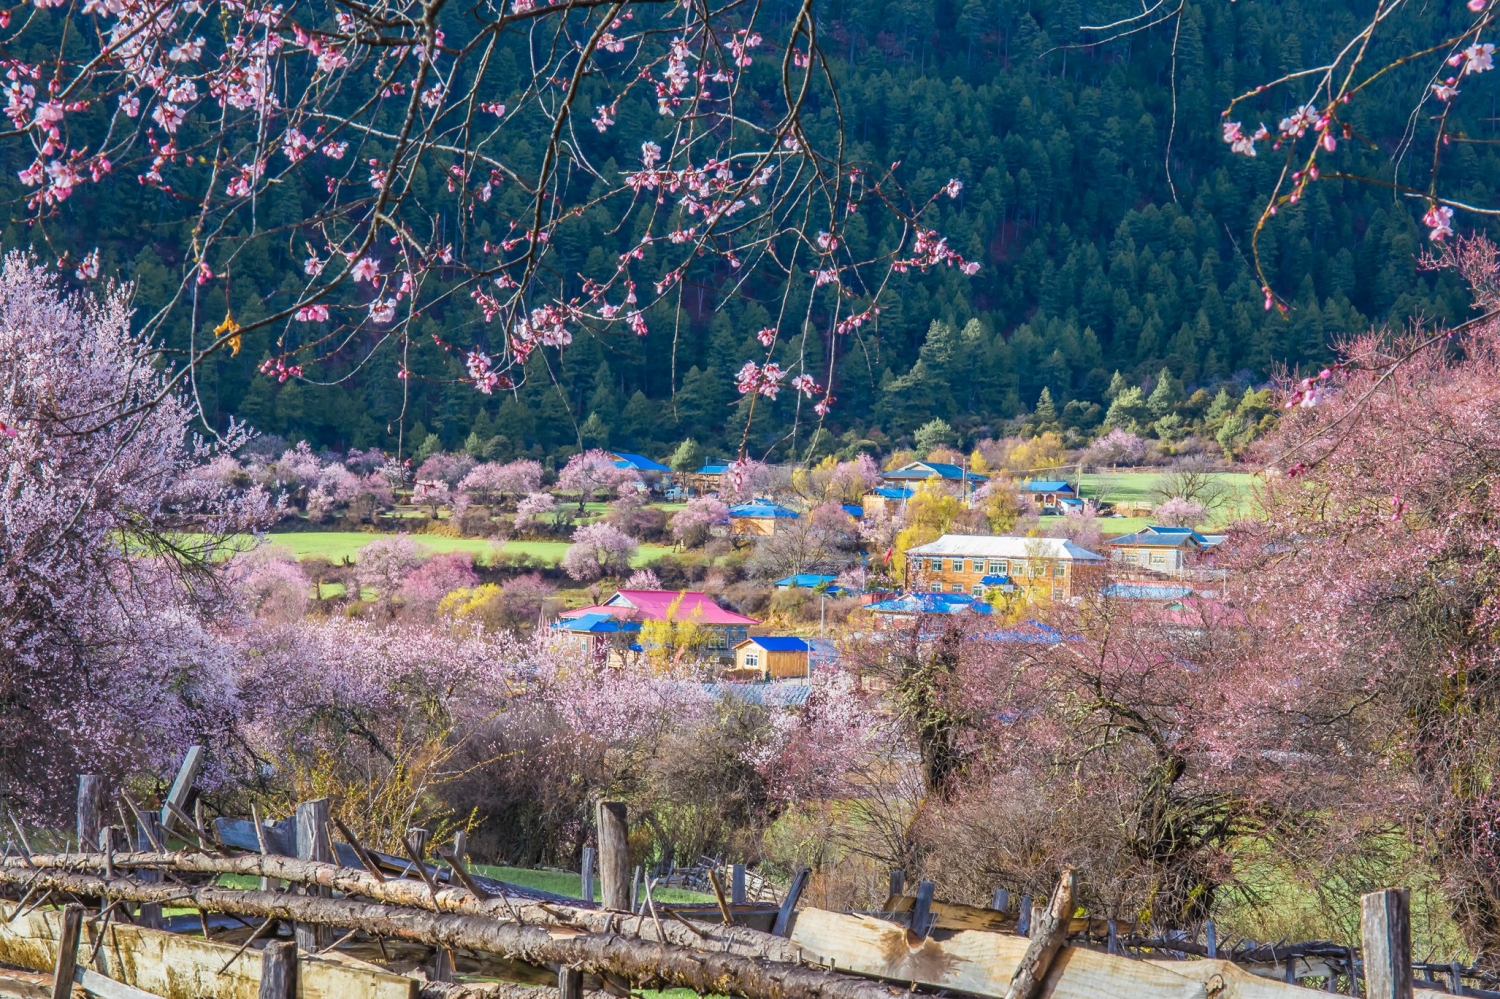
(1169, 551)
(976, 563)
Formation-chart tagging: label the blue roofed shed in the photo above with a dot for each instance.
(637, 463)
(778, 657)
(759, 518)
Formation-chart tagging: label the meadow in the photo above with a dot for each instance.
(1139, 489)
(339, 545)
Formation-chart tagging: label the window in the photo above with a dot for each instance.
(1132, 558)
(977, 590)
(752, 660)
(1017, 567)
(1060, 570)
(1038, 568)
(935, 564)
(976, 565)
(997, 567)
(1158, 558)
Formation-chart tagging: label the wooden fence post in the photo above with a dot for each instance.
(1211, 934)
(1001, 900)
(461, 846)
(182, 786)
(737, 895)
(569, 983)
(90, 809)
(1023, 920)
(1047, 938)
(783, 925)
(898, 881)
(312, 844)
(278, 971)
(614, 855)
(921, 911)
(1385, 929)
(67, 952)
(417, 837)
(147, 827)
(586, 876)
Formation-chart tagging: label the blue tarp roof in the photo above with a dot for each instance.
(713, 469)
(998, 580)
(805, 580)
(1048, 486)
(857, 512)
(638, 462)
(763, 508)
(779, 643)
(894, 492)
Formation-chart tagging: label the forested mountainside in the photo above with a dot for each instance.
(1097, 257)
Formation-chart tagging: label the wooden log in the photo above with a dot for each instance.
(1047, 939)
(312, 844)
(278, 971)
(182, 787)
(614, 855)
(783, 924)
(1385, 930)
(176, 966)
(67, 952)
(586, 877)
(90, 809)
(635, 961)
(412, 893)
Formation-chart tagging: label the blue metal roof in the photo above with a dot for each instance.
(804, 580)
(779, 643)
(931, 603)
(638, 463)
(933, 470)
(1047, 486)
(894, 492)
(857, 512)
(998, 580)
(763, 508)
(713, 469)
(596, 624)
(1167, 536)
(1146, 591)
(771, 695)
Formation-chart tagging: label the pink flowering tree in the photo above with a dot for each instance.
(691, 525)
(383, 565)
(1178, 512)
(597, 550)
(432, 494)
(533, 508)
(591, 473)
(385, 121)
(642, 579)
(113, 521)
(439, 576)
(270, 583)
(492, 481)
(446, 468)
(1118, 447)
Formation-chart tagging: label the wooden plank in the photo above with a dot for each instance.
(789, 904)
(278, 971)
(586, 878)
(182, 786)
(975, 961)
(1385, 927)
(67, 951)
(313, 844)
(182, 967)
(90, 809)
(107, 988)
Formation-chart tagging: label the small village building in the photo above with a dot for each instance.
(885, 501)
(956, 479)
(1168, 551)
(598, 635)
(638, 463)
(706, 479)
(725, 629)
(774, 657)
(760, 518)
(1051, 495)
(974, 563)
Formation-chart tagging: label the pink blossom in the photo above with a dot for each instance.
(1437, 219)
(312, 314)
(366, 269)
(598, 549)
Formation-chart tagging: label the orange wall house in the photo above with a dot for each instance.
(976, 563)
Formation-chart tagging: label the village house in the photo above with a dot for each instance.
(637, 463)
(706, 479)
(900, 611)
(1051, 495)
(957, 480)
(975, 563)
(725, 628)
(1168, 551)
(885, 501)
(598, 635)
(774, 657)
(759, 518)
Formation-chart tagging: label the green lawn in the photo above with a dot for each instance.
(1140, 488)
(335, 545)
(566, 883)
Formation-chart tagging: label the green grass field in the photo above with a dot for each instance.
(336, 545)
(1139, 488)
(567, 883)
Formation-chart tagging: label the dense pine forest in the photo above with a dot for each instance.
(1115, 239)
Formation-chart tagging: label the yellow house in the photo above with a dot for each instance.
(973, 563)
(759, 519)
(777, 658)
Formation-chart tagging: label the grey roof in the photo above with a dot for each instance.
(1004, 546)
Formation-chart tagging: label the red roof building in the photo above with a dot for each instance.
(727, 628)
